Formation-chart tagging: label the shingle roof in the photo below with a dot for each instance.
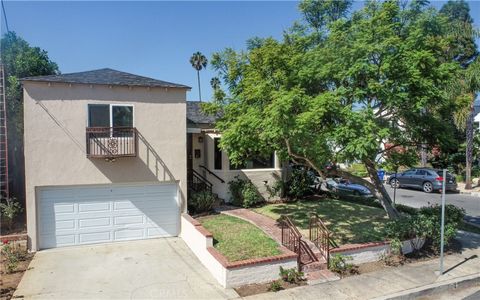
(106, 76)
(197, 116)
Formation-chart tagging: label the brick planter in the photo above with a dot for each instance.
(232, 274)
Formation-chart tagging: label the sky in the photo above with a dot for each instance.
(153, 39)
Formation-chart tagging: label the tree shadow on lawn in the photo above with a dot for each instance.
(349, 222)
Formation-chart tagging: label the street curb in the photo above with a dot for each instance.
(438, 287)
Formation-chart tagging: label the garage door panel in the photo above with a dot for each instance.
(95, 237)
(86, 215)
(94, 207)
(94, 222)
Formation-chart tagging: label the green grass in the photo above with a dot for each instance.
(237, 239)
(349, 222)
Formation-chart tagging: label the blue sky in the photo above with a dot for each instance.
(154, 39)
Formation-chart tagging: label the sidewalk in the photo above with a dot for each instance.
(395, 282)
(475, 191)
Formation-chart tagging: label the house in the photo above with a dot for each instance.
(207, 162)
(107, 154)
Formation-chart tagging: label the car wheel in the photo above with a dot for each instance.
(394, 183)
(427, 187)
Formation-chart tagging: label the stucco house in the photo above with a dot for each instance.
(111, 156)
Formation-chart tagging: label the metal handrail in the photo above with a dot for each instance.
(292, 240)
(320, 236)
(111, 142)
(213, 174)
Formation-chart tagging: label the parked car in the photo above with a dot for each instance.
(426, 179)
(344, 186)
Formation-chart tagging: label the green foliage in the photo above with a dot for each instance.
(235, 187)
(337, 92)
(11, 257)
(338, 264)
(406, 209)
(250, 195)
(396, 246)
(243, 193)
(426, 224)
(277, 189)
(9, 209)
(275, 286)
(291, 275)
(299, 184)
(202, 201)
(358, 170)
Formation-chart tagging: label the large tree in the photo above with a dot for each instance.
(467, 85)
(198, 62)
(372, 85)
(19, 60)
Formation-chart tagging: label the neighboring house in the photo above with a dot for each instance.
(207, 162)
(107, 155)
(104, 158)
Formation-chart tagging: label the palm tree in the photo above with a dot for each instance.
(198, 61)
(215, 83)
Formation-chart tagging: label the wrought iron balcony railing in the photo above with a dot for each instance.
(111, 142)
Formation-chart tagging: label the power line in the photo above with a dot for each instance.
(5, 16)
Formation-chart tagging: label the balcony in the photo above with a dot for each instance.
(111, 142)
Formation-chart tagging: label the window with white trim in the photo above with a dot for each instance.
(110, 115)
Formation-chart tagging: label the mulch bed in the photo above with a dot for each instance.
(259, 288)
(424, 254)
(9, 282)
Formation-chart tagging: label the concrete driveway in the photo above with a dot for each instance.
(157, 268)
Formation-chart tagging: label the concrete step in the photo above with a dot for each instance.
(314, 266)
(320, 276)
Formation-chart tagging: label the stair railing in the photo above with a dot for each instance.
(320, 236)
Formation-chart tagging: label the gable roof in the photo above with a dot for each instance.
(106, 77)
(197, 116)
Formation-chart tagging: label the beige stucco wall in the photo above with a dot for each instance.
(259, 177)
(55, 122)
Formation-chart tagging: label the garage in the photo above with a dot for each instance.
(79, 215)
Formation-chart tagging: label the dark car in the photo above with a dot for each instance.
(426, 179)
(343, 186)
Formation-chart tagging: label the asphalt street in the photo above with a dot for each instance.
(416, 198)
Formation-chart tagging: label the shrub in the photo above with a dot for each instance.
(250, 195)
(338, 264)
(275, 286)
(243, 193)
(299, 184)
(276, 190)
(425, 223)
(201, 202)
(11, 257)
(9, 209)
(235, 187)
(406, 209)
(291, 275)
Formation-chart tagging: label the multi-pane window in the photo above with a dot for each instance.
(105, 115)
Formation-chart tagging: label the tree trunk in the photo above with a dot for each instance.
(199, 90)
(469, 151)
(380, 191)
(423, 155)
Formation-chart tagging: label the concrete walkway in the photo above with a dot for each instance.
(395, 282)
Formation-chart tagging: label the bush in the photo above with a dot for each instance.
(291, 275)
(11, 257)
(9, 209)
(201, 202)
(235, 187)
(406, 209)
(425, 223)
(300, 183)
(243, 193)
(338, 264)
(250, 195)
(275, 286)
(276, 190)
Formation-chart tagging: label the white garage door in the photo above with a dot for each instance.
(96, 214)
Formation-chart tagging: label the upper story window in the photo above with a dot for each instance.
(110, 115)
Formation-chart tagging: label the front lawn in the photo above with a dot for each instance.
(237, 239)
(350, 222)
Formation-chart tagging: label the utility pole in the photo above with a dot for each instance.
(442, 225)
